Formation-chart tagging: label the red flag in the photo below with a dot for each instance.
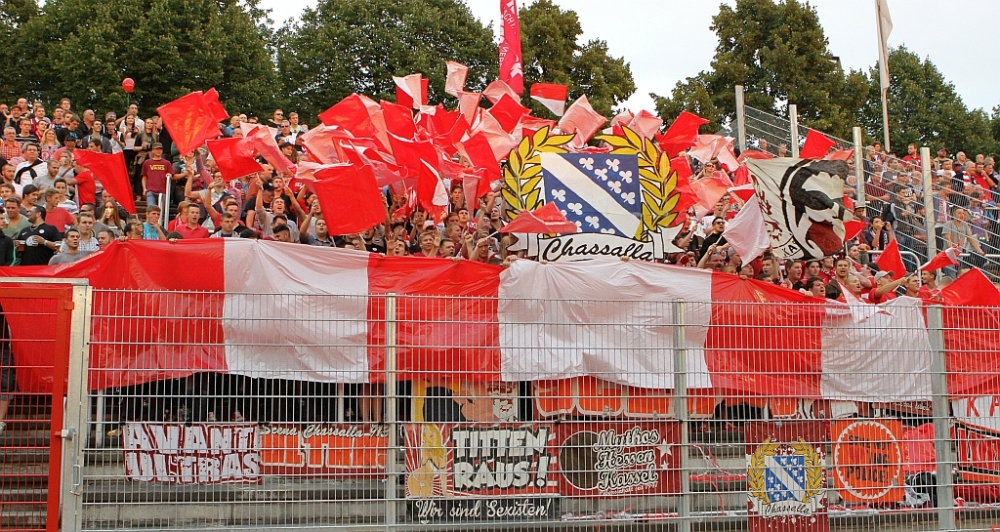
(412, 154)
(848, 203)
(682, 134)
(406, 90)
(86, 188)
(351, 113)
(551, 95)
(267, 147)
(398, 120)
(709, 190)
(190, 121)
(839, 155)
(742, 176)
(508, 112)
(455, 81)
(971, 289)
(511, 68)
(431, 192)
(234, 157)
(214, 106)
(349, 198)
(891, 261)
(817, 145)
(852, 228)
(111, 170)
(546, 219)
(948, 257)
(581, 119)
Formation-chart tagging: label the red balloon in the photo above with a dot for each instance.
(128, 84)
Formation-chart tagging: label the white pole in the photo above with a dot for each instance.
(741, 128)
(793, 117)
(929, 216)
(859, 167)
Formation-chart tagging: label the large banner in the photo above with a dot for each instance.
(491, 472)
(868, 460)
(786, 483)
(173, 453)
(977, 437)
(619, 458)
(461, 401)
(339, 450)
(626, 203)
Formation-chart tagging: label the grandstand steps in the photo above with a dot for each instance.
(24, 464)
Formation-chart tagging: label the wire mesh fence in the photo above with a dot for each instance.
(776, 133)
(540, 414)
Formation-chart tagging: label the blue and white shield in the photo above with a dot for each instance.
(597, 192)
(785, 478)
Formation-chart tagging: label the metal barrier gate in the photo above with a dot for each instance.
(687, 415)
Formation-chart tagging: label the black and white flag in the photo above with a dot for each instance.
(802, 201)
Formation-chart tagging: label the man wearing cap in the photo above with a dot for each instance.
(942, 157)
(37, 244)
(885, 288)
(155, 174)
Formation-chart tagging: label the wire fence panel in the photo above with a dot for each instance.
(554, 414)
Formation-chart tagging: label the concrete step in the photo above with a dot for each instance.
(20, 517)
(23, 495)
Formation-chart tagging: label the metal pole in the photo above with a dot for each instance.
(76, 422)
(942, 427)
(681, 409)
(929, 217)
(793, 117)
(885, 119)
(390, 410)
(741, 128)
(859, 166)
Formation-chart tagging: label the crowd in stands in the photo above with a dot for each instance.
(43, 222)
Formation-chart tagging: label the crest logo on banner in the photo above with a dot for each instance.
(623, 202)
(802, 201)
(785, 479)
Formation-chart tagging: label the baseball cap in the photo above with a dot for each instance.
(882, 274)
(157, 145)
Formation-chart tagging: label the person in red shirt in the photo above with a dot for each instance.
(884, 289)
(192, 229)
(156, 174)
(56, 216)
(930, 290)
(912, 157)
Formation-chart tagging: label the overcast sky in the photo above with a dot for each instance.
(668, 40)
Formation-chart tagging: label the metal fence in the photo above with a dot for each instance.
(630, 415)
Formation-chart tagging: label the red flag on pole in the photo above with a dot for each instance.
(891, 261)
(191, 120)
(817, 145)
(511, 68)
(546, 219)
(948, 257)
(234, 157)
(682, 134)
(551, 95)
(111, 170)
(349, 198)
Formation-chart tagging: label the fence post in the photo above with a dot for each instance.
(859, 166)
(793, 117)
(390, 411)
(681, 410)
(741, 128)
(165, 215)
(76, 421)
(942, 426)
(929, 216)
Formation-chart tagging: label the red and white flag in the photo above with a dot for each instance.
(511, 67)
(454, 83)
(411, 91)
(747, 232)
(581, 119)
(551, 95)
(545, 219)
(948, 257)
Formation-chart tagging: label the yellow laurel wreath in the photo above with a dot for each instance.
(812, 462)
(658, 181)
(522, 176)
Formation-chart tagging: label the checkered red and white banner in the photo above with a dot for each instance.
(276, 310)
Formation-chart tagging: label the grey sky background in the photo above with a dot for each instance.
(668, 40)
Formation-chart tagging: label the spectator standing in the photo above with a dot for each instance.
(39, 240)
(156, 172)
(72, 253)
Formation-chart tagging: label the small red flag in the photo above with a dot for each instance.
(546, 219)
(398, 120)
(508, 112)
(406, 90)
(511, 68)
(268, 148)
(234, 157)
(86, 188)
(349, 198)
(817, 145)
(190, 120)
(214, 106)
(971, 289)
(891, 261)
(351, 113)
(551, 95)
(111, 170)
(682, 134)
(948, 257)
(852, 228)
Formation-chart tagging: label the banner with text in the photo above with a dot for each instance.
(172, 453)
(786, 483)
(868, 460)
(619, 458)
(492, 472)
(344, 450)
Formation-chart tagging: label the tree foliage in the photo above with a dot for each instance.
(778, 52)
(552, 54)
(83, 49)
(344, 46)
(924, 109)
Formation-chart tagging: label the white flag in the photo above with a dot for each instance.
(747, 232)
(884, 29)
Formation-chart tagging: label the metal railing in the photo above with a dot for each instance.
(583, 414)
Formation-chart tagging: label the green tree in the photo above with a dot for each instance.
(83, 49)
(14, 14)
(925, 109)
(779, 53)
(552, 54)
(342, 47)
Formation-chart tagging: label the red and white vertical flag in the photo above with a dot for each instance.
(551, 95)
(511, 67)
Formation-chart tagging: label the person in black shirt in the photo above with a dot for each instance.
(37, 243)
(6, 250)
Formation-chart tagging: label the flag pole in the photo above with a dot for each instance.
(883, 72)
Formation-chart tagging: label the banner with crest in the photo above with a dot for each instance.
(624, 202)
